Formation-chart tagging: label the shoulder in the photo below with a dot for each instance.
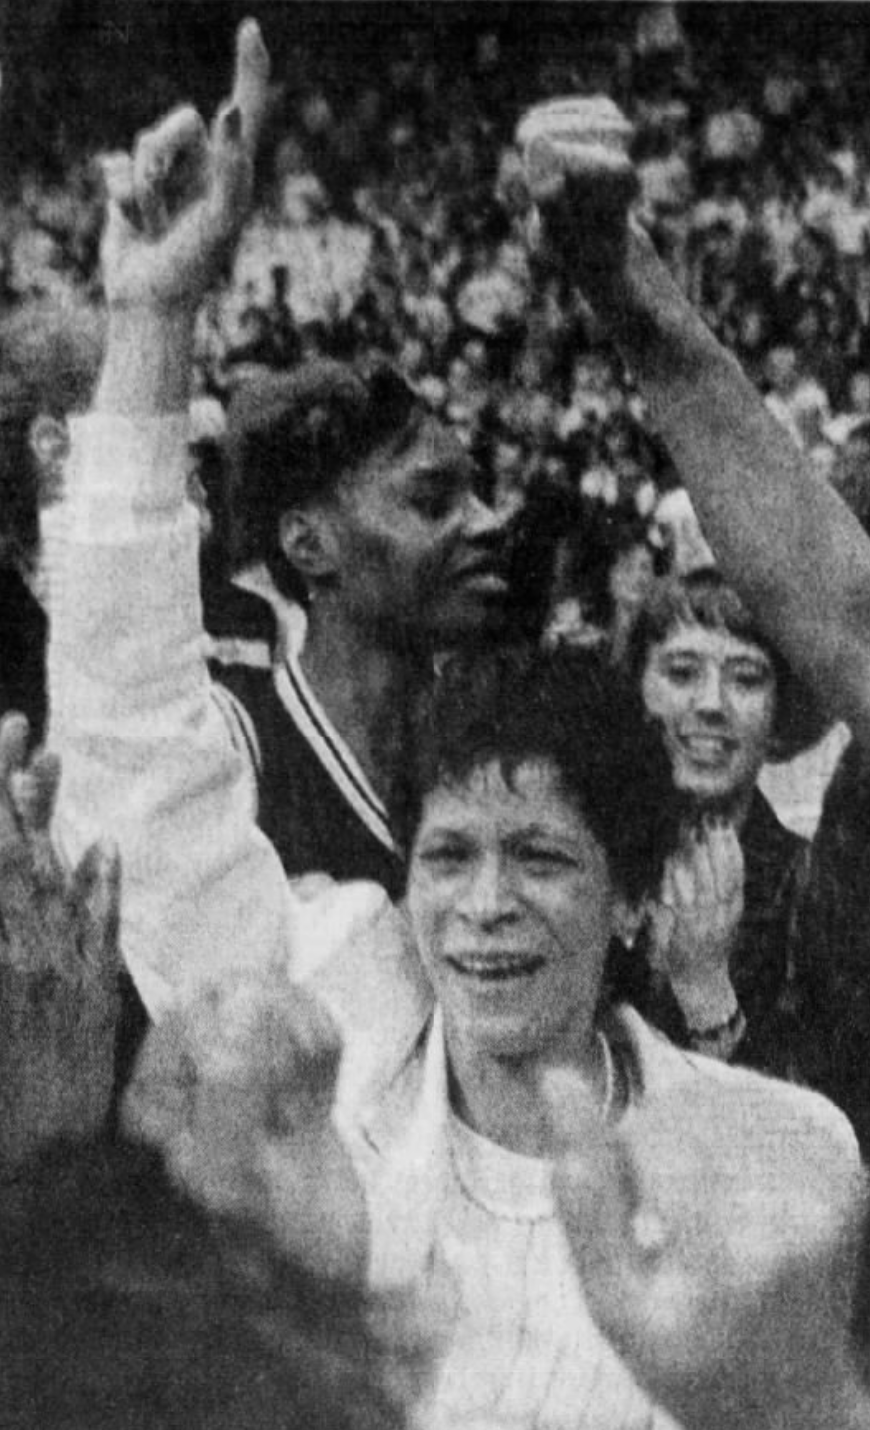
(776, 860)
(757, 1110)
(847, 800)
(764, 824)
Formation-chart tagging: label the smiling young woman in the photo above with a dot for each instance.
(713, 962)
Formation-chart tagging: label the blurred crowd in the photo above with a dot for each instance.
(419, 1006)
(388, 222)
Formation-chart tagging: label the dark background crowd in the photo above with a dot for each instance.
(387, 221)
(390, 220)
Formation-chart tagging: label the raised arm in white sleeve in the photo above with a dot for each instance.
(147, 757)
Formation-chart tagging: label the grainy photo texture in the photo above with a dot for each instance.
(434, 715)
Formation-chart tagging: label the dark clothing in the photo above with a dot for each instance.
(302, 808)
(23, 640)
(313, 803)
(835, 307)
(762, 964)
(236, 619)
(309, 793)
(133, 1024)
(549, 513)
(832, 950)
(762, 967)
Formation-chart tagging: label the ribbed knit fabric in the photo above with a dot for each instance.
(474, 1225)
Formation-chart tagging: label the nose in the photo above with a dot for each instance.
(487, 898)
(710, 692)
(485, 525)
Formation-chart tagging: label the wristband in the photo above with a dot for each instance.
(720, 1040)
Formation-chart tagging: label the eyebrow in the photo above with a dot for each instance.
(760, 657)
(525, 831)
(541, 831)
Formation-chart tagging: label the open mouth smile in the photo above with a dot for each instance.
(707, 749)
(487, 580)
(498, 969)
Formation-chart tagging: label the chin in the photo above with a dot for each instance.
(468, 628)
(707, 788)
(505, 1037)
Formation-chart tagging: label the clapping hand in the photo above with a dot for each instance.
(236, 1087)
(59, 965)
(715, 1235)
(695, 921)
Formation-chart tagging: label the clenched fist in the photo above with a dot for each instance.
(581, 179)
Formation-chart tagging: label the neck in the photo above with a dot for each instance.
(735, 811)
(739, 811)
(501, 1097)
(365, 688)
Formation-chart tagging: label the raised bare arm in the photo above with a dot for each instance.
(785, 540)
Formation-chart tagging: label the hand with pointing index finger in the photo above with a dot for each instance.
(177, 204)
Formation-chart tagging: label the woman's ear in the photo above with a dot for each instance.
(309, 542)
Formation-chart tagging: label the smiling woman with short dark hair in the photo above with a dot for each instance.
(727, 703)
(541, 808)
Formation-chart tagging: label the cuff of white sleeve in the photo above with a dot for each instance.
(121, 466)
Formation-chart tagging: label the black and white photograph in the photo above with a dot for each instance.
(434, 714)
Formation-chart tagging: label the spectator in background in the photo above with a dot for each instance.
(840, 207)
(732, 134)
(777, 216)
(49, 349)
(851, 472)
(629, 581)
(714, 961)
(796, 400)
(382, 185)
(611, 566)
(286, 345)
(253, 340)
(748, 331)
(679, 533)
(814, 281)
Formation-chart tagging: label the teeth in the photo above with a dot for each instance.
(705, 745)
(503, 968)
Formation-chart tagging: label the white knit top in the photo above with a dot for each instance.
(524, 1349)
(477, 1223)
